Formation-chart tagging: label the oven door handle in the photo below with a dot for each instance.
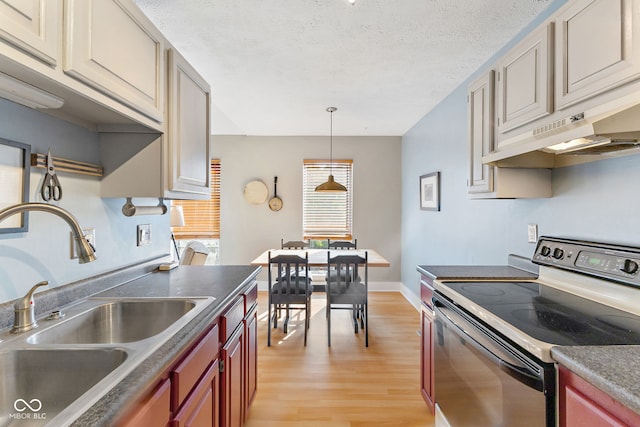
(490, 348)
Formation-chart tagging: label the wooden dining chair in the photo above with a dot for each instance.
(348, 289)
(342, 244)
(295, 244)
(289, 289)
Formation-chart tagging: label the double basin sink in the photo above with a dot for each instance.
(54, 373)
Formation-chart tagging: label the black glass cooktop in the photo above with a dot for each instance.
(550, 315)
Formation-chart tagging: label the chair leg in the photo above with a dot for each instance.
(269, 326)
(307, 312)
(276, 314)
(329, 324)
(285, 323)
(366, 326)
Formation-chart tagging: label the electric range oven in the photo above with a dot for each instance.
(493, 338)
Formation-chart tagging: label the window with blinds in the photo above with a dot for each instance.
(202, 217)
(327, 215)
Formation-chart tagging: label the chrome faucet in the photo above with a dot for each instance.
(24, 314)
(24, 319)
(85, 250)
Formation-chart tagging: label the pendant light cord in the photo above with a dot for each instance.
(331, 144)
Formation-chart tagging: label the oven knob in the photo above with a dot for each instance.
(630, 266)
(545, 250)
(558, 253)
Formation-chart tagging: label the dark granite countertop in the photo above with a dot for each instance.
(474, 272)
(222, 282)
(614, 369)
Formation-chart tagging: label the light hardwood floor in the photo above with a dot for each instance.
(347, 385)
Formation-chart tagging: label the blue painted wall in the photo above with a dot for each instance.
(591, 201)
(43, 253)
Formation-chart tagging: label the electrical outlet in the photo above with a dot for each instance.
(532, 232)
(89, 234)
(144, 234)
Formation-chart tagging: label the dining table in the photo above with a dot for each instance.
(318, 257)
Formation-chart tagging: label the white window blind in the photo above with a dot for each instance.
(202, 217)
(327, 215)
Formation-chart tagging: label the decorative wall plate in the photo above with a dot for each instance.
(256, 192)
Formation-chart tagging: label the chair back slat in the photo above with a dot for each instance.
(342, 244)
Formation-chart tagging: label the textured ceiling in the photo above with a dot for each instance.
(274, 65)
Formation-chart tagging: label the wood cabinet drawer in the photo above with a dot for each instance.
(187, 373)
(202, 407)
(231, 318)
(250, 297)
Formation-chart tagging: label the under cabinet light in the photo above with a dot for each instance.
(25, 94)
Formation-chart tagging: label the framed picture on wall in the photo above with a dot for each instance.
(430, 192)
(15, 166)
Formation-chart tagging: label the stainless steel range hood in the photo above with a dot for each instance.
(595, 134)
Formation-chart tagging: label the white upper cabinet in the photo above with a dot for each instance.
(490, 182)
(188, 128)
(525, 80)
(480, 128)
(111, 46)
(597, 48)
(32, 26)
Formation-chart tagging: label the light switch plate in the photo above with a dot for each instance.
(144, 234)
(532, 232)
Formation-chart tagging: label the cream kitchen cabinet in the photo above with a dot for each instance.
(488, 181)
(32, 26)
(480, 102)
(188, 130)
(597, 48)
(525, 81)
(111, 46)
(172, 165)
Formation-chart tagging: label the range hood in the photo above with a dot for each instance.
(595, 134)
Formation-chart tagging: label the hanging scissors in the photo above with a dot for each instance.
(51, 188)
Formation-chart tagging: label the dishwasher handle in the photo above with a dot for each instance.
(490, 347)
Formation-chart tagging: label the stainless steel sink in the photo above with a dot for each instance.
(116, 322)
(54, 373)
(35, 385)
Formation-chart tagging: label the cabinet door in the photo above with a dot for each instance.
(525, 81)
(202, 406)
(232, 390)
(251, 356)
(582, 404)
(426, 358)
(33, 26)
(480, 122)
(590, 61)
(111, 46)
(154, 411)
(188, 129)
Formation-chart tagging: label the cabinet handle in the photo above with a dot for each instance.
(221, 366)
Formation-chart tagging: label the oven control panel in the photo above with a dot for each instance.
(607, 261)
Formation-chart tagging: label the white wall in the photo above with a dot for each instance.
(596, 201)
(248, 230)
(42, 253)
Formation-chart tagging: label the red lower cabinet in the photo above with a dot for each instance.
(232, 379)
(251, 357)
(582, 404)
(202, 407)
(426, 357)
(152, 411)
(195, 385)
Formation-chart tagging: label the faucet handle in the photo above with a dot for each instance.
(27, 301)
(24, 316)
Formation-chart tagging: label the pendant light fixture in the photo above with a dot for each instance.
(331, 185)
